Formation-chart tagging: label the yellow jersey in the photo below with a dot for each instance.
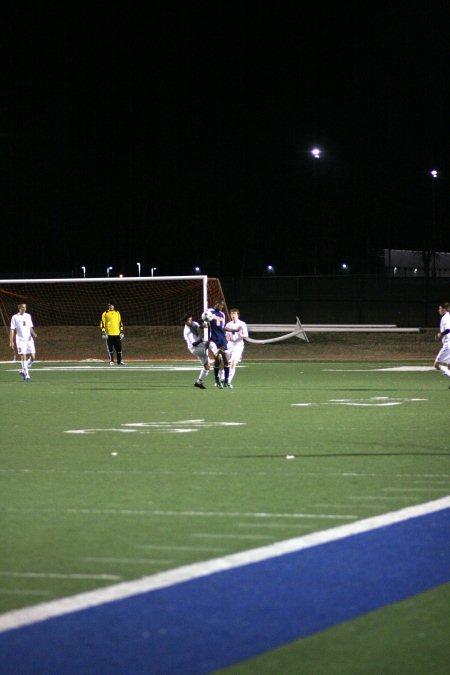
(111, 322)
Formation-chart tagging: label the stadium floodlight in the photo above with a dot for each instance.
(270, 269)
(316, 153)
(108, 270)
(434, 173)
(152, 271)
(197, 270)
(83, 269)
(139, 269)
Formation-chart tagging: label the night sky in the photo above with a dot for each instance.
(181, 137)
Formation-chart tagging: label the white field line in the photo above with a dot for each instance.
(376, 498)
(157, 472)
(195, 514)
(341, 506)
(105, 368)
(433, 488)
(434, 483)
(168, 547)
(21, 591)
(55, 575)
(41, 612)
(222, 535)
(297, 526)
(388, 369)
(129, 561)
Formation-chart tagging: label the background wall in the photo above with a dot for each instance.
(407, 301)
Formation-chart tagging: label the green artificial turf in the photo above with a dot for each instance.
(87, 499)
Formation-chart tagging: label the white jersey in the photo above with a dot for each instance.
(241, 331)
(22, 324)
(445, 325)
(192, 334)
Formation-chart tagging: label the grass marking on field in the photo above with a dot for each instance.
(132, 561)
(179, 514)
(55, 575)
(21, 591)
(297, 526)
(56, 608)
(105, 368)
(372, 402)
(222, 535)
(387, 369)
(169, 547)
(180, 426)
(412, 489)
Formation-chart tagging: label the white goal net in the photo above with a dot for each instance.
(150, 301)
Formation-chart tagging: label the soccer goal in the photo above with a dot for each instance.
(150, 301)
(67, 314)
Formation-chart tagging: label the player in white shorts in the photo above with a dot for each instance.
(192, 333)
(22, 329)
(237, 331)
(442, 360)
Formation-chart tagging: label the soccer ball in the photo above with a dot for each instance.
(208, 315)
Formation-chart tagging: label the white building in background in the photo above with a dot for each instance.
(403, 263)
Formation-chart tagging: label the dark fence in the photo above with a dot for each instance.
(369, 299)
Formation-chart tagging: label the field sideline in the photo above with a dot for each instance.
(111, 475)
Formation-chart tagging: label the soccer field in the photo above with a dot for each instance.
(111, 475)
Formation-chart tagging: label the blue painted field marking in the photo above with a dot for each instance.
(206, 623)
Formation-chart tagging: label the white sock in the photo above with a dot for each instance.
(232, 374)
(29, 363)
(204, 373)
(445, 370)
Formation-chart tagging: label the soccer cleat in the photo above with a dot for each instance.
(228, 385)
(121, 364)
(27, 378)
(199, 385)
(219, 384)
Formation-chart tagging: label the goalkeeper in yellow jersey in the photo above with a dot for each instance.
(112, 331)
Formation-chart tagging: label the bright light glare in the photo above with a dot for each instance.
(434, 173)
(315, 153)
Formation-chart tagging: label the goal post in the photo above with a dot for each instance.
(149, 301)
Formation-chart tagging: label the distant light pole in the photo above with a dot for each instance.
(108, 270)
(139, 269)
(83, 268)
(434, 175)
(152, 270)
(317, 217)
(197, 270)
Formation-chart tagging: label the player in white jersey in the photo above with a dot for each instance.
(22, 330)
(237, 331)
(192, 333)
(442, 360)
